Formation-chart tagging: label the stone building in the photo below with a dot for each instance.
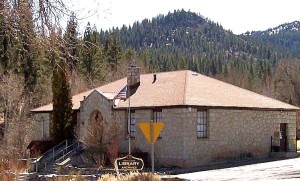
(206, 120)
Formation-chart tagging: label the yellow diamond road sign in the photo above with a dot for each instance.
(146, 129)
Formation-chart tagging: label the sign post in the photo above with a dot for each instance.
(152, 146)
(151, 132)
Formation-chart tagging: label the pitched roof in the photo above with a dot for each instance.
(75, 100)
(185, 88)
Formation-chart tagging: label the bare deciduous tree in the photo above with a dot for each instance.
(18, 123)
(101, 138)
(288, 82)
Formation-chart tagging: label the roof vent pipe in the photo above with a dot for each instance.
(154, 78)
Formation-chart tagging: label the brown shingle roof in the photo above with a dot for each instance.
(184, 88)
(75, 100)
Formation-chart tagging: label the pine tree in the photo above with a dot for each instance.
(112, 52)
(71, 46)
(26, 42)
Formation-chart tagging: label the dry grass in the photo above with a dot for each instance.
(72, 177)
(6, 173)
(131, 177)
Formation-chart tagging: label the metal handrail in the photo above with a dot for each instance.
(52, 153)
(56, 154)
(68, 150)
(52, 150)
(62, 153)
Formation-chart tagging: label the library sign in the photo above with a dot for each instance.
(129, 163)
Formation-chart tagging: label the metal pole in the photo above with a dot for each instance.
(43, 128)
(152, 146)
(129, 119)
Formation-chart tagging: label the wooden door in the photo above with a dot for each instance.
(283, 137)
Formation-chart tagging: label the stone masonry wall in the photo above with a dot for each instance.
(232, 133)
(236, 132)
(94, 102)
(42, 126)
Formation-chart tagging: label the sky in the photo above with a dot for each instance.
(238, 16)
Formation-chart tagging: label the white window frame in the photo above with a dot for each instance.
(202, 124)
(157, 118)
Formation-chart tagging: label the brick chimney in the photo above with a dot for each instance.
(133, 75)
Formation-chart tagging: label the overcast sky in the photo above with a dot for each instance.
(237, 15)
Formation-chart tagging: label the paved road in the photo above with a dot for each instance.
(284, 169)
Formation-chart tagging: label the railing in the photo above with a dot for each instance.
(57, 153)
(290, 145)
(68, 151)
(52, 150)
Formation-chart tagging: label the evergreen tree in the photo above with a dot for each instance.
(112, 52)
(4, 40)
(87, 55)
(61, 125)
(71, 46)
(28, 52)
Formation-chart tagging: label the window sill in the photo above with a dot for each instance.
(202, 138)
(126, 138)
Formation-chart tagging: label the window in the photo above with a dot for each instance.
(132, 125)
(157, 117)
(202, 129)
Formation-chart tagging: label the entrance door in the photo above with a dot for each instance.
(283, 137)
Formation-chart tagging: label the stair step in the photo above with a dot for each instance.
(57, 154)
(64, 162)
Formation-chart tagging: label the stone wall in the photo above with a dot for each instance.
(94, 102)
(232, 133)
(42, 126)
(133, 75)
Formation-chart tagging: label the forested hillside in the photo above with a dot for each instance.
(195, 42)
(32, 52)
(186, 40)
(285, 37)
